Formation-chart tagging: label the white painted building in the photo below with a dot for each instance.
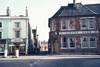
(13, 33)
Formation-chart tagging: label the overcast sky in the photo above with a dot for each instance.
(39, 11)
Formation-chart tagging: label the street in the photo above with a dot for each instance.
(77, 62)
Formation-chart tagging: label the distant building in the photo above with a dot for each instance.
(44, 46)
(14, 34)
(75, 29)
(36, 42)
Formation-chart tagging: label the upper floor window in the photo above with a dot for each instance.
(17, 24)
(63, 24)
(88, 23)
(0, 24)
(84, 23)
(53, 25)
(92, 23)
(71, 24)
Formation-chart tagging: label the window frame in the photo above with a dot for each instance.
(62, 42)
(17, 34)
(69, 42)
(86, 42)
(93, 20)
(73, 20)
(85, 23)
(95, 42)
(64, 22)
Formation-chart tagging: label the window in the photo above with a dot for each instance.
(84, 42)
(17, 34)
(64, 42)
(84, 23)
(72, 42)
(71, 24)
(53, 25)
(0, 35)
(0, 24)
(92, 22)
(1, 47)
(17, 24)
(78, 42)
(88, 23)
(63, 24)
(92, 41)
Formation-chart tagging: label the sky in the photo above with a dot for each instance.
(39, 11)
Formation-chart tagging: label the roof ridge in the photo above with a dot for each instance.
(92, 4)
(61, 12)
(90, 9)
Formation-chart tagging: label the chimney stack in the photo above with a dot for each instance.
(74, 1)
(26, 11)
(8, 11)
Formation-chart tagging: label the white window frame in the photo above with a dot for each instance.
(62, 21)
(95, 42)
(62, 43)
(82, 42)
(81, 23)
(69, 43)
(87, 21)
(72, 19)
(93, 23)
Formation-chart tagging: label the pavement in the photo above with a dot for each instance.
(44, 57)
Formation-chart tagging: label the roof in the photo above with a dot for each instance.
(78, 9)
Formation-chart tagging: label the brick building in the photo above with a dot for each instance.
(75, 29)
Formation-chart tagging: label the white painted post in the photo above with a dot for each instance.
(6, 50)
(5, 53)
(17, 53)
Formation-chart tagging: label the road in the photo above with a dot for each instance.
(51, 63)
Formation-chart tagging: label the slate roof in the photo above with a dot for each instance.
(78, 9)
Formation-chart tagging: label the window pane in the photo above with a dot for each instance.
(72, 42)
(64, 24)
(1, 47)
(17, 34)
(0, 35)
(0, 24)
(92, 42)
(84, 42)
(92, 23)
(84, 23)
(64, 42)
(72, 24)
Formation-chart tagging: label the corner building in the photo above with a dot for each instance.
(75, 29)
